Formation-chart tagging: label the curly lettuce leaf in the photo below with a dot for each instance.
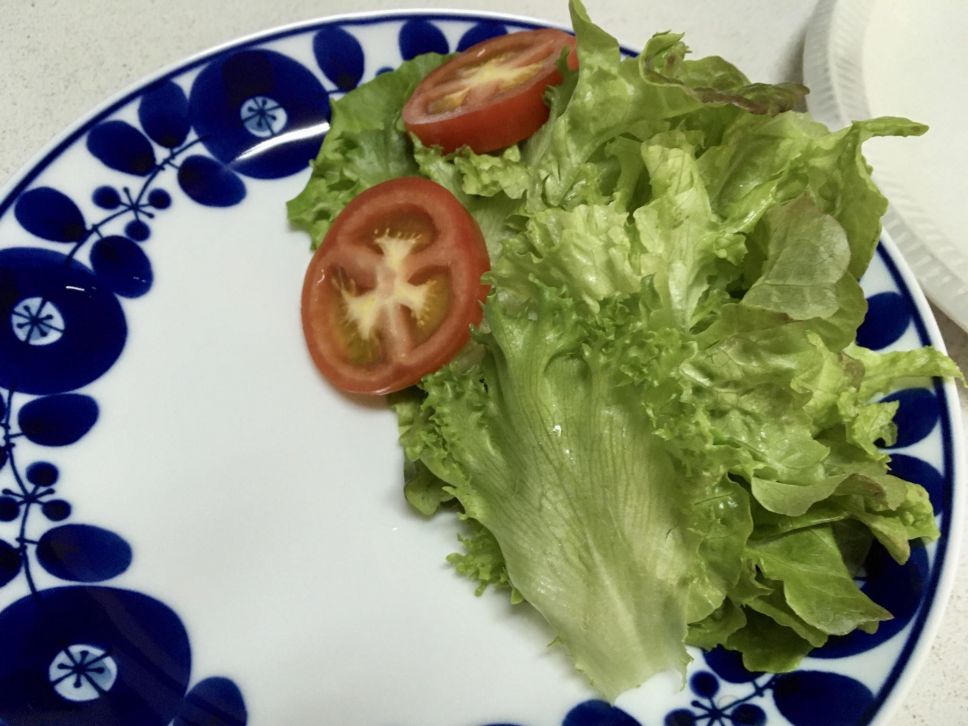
(483, 561)
(366, 144)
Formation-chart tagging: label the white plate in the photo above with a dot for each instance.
(868, 58)
(258, 560)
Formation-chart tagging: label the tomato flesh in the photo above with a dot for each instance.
(393, 290)
(491, 95)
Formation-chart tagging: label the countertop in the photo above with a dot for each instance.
(62, 58)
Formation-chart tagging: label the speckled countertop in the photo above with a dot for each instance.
(62, 58)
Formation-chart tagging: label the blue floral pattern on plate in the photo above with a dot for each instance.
(87, 652)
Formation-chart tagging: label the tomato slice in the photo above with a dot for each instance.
(491, 95)
(393, 290)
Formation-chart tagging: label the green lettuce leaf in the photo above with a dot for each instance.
(817, 585)
(366, 144)
(521, 427)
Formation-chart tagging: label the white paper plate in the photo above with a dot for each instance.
(866, 58)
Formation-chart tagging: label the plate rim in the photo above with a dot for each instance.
(914, 653)
(913, 656)
(835, 97)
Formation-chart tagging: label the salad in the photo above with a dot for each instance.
(618, 329)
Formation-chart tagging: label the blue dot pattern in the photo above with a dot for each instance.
(340, 57)
(912, 468)
(918, 412)
(598, 713)
(481, 32)
(421, 36)
(888, 317)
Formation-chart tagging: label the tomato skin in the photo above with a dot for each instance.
(452, 247)
(502, 118)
